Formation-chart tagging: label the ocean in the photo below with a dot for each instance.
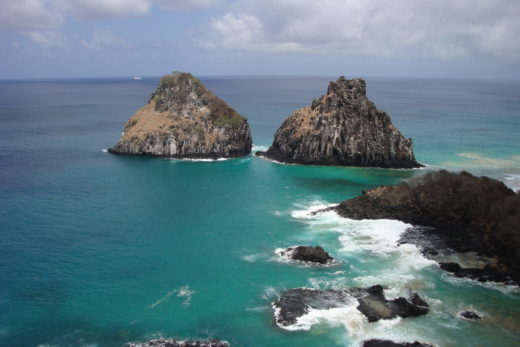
(98, 249)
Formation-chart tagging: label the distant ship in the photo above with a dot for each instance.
(138, 78)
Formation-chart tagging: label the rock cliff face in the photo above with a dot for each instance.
(183, 119)
(470, 213)
(342, 128)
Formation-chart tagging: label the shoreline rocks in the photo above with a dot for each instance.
(344, 128)
(184, 120)
(467, 213)
(372, 303)
(307, 254)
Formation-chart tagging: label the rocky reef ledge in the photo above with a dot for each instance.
(466, 213)
(342, 128)
(162, 342)
(183, 119)
(295, 303)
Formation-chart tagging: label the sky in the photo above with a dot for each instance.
(397, 38)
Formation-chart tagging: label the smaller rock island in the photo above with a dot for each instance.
(183, 119)
(342, 128)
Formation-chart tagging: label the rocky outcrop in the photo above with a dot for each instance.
(307, 254)
(183, 119)
(470, 213)
(469, 315)
(388, 343)
(161, 342)
(342, 128)
(488, 273)
(372, 303)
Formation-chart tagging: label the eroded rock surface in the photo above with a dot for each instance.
(469, 213)
(342, 127)
(183, 119)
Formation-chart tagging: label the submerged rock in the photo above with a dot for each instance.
(342, 128)
(161, 342)
(183, 119)
(388, 343)
(469, 213)
(469, 315)
(307, 254)
(372, 303)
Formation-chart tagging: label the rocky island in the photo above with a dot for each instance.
(183, 119)
(306, 254)
(342, 127)
(465, 213)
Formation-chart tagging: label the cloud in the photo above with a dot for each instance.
(26, 15)
(96, 9)
(48, 39)
(441, 29)
(186, 4)
(104, 39)
(21, 15)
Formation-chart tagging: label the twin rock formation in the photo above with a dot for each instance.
(183, 119)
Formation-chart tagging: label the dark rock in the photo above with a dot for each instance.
(295, 303)
(161, 342)
(388, 343)
(183, 119)
(342, 128)
(308, 254)
(470, 315)
(469, 213)
(486, 274)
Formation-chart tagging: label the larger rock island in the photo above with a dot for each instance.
(342, 128)
(183, 119)
(468, 213)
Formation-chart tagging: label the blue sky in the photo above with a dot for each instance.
(409, 38)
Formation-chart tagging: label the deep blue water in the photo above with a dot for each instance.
(98, 250)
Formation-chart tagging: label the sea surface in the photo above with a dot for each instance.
(98, 249)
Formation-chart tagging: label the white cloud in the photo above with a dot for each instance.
(20, 15)
(186, 4)
(48, 39)
(26, 15)
(441, 29)
(104, 39)
(95, 9)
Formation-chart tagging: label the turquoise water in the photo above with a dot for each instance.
(98, 250)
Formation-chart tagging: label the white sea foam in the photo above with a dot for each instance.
(347, 316)
(186, 293)
(105, 150)
(182, 292)
(376, 237)
(251, 258)
(512, 181)
(270, 293)
(200, 159)
(257, 148)
(161, 300)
